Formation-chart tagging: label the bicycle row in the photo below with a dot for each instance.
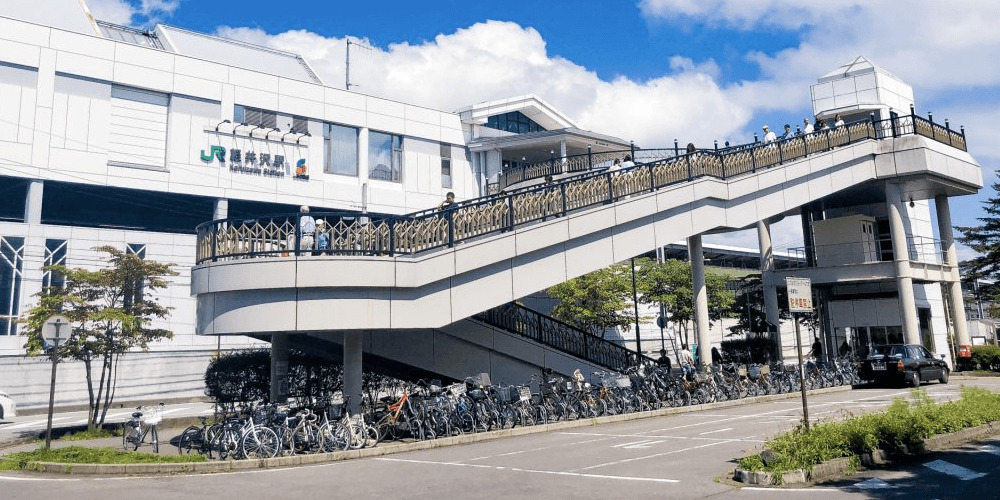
(428, 410)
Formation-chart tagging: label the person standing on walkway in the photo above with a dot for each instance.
(686, 360)
(769, 135)
(807, 127)
(307, 229)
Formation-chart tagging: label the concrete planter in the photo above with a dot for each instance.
(837, 467)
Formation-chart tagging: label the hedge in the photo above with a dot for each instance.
(903, 423)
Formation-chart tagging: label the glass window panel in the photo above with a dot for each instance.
(385, 157)
(11, 264)
(341, 149)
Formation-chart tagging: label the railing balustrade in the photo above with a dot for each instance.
(549, 331)
(348, 233)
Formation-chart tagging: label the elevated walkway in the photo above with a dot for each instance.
(432, 269)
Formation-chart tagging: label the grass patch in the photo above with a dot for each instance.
(84, 455)
(88, 434)
(903, 423)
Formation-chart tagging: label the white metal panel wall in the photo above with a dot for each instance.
(17, 102)
(138, 127)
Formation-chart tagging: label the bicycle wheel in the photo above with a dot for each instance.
(131, 438)
(154, 438)
(190, 438)
(259, 442)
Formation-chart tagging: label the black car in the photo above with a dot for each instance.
(905, 364)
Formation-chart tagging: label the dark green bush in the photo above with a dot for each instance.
(749, 350)
(903, 423)
(245, 376)
(986, 357)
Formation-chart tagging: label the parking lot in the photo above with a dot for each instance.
(687, 455)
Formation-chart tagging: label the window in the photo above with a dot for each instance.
(515, 122)
(138, 128)
(143, 38)
(385, 157)
(300, 125)
(255, 116)
(340, 149)
(55, 254)
(446, 165)
(11, 263)
(133, 291)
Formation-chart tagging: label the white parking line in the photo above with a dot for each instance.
(638, 444)
(533, 471)
(717, 430)
(634, 459)
(954, 470)
(541, 448)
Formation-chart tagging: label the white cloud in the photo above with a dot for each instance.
(494, 59)
(125, 12)
(112, 11)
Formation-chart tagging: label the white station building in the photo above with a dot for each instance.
(112, 135)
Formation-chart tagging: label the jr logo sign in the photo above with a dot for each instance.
(215, 153)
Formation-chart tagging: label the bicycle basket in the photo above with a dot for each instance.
(624, 382)
(482, 379)
(456, 389)
(569, 385)
(524, 393)
(152, 416)
(742, 371)
(477, 395)
(701, 378)
(765, 370)
(754, 372)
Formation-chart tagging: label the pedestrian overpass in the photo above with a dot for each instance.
(432, 269)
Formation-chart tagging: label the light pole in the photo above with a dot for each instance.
(635, 305)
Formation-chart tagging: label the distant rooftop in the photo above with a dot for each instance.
(237, 53)
(859, 66)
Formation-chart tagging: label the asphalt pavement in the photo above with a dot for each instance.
(687, 455)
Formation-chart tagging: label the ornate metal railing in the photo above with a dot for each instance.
(574, 164)
(347, 233)
(549, 331)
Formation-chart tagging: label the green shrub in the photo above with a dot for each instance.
(986, 357)
(902, 423)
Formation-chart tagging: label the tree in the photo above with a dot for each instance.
(670, 283)
(984, 239)
(112, 310)
(596, 301)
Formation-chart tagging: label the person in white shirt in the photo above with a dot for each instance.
(838, 121)
(686, 360)
(307, 228)
(769, 135)
(628, 162)
(807, 127)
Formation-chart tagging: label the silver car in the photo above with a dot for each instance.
(8, 408)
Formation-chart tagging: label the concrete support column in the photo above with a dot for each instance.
(700, 294)
(221, 209)
(279, 367)
(901, 255)
(352, 369)
(33, 202)
(951, 259)
(770, 290)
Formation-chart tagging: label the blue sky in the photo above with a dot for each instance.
(649, 70)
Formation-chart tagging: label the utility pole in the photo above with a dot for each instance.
(635, 305)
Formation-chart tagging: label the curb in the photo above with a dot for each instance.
(295, 460)
(838, 467)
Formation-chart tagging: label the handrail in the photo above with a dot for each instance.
(515, 318)
(350, 233)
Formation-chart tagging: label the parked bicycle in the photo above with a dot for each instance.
(143, 424)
